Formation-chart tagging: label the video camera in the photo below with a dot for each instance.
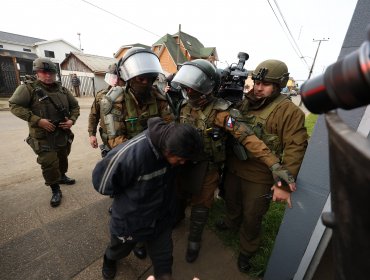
(233, 79)
(345, 84)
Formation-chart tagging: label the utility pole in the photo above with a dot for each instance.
(79, 39)
(178, 49)
(314, 59)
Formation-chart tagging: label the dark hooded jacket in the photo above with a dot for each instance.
(141, 180)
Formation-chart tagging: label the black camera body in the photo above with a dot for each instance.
(233, 79)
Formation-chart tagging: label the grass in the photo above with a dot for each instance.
(270, 224)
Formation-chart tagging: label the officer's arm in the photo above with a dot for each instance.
(94, 117)
(20, 103)
(246, 137)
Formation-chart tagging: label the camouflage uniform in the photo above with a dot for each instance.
(53, 148)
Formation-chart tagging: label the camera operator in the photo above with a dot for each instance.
(248, 183)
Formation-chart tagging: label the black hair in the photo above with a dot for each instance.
(184, 141)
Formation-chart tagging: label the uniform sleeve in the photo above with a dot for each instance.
(74, 108)
(20, 105)
(293, 135)
(246, 137)
(94, 116)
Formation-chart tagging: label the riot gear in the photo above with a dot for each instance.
(202, 77)
(272, 71)
(44, 64)
(139, 61)
(199, 74)
(112, 75)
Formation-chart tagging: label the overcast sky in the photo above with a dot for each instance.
(231, 26)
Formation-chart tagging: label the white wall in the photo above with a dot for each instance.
(59, 48)
(18, 48)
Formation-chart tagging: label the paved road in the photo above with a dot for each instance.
(67, 242)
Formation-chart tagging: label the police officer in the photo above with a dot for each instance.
(213, 118)
(107, 112)
(280, 124)
(126, 109)
(50, 110)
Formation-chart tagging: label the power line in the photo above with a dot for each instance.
(121, 18)
(290, 36)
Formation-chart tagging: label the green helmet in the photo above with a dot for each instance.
(272, 71)
(44, 64)
(199, 74)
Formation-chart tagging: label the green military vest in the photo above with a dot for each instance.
(257, 121)
(136, 123)
(213, 137)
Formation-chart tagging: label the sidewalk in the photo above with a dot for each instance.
(68, 242)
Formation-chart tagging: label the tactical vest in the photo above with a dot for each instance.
(257, 121)
(214, 138)
(136, 120)
(111, 113)
(41, 105)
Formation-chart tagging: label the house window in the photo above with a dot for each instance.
(1, 46)
(49, 54)
(26, 50)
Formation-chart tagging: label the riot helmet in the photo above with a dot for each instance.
(44, 64)
(272, 71)
(198, 79)
(199, 75)
(112, 75)
(139, 61)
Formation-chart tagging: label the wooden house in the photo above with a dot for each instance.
(90, 69)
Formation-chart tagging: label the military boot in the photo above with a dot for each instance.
(64, 179)
(56, 197)
(198, 219)
(244, 262)
(109, 268)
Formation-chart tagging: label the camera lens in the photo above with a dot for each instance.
(345, 84)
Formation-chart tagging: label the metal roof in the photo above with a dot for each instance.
(97, 64)
(18, 39)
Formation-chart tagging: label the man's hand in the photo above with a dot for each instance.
(46, 124)
(281, 195)
(93, 141)
(282, 175)
(67, 124)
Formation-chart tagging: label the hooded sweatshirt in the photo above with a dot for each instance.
(141, 180)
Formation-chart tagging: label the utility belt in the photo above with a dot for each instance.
(59, 139)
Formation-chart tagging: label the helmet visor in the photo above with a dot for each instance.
(139, 64)
(191, 76)
(111, 79)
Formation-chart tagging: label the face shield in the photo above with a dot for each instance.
(111, 79)
(138, 64)
(192, 77)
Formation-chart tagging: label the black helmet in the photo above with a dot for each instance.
(44, 64)
(199, 74)
(138, 61)
(272, 71)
